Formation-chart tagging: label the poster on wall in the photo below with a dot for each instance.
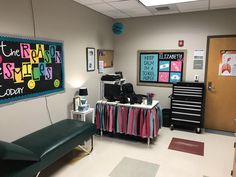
(160, 67)
(227, 65)
(101, 67)
(198, 57)
(148, 67)
(90, 58)
(29, 68)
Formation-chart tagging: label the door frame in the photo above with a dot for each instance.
(206, 64)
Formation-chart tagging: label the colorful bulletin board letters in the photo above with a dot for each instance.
(29, 68)
(163, 67)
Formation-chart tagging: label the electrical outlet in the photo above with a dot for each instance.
(196, 78)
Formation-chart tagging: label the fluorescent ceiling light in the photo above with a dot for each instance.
(162, 2)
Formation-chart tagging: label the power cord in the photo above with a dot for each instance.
(34, 29)
(33, 18)
(49, 115)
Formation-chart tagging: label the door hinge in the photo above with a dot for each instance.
(232, 172)
(234, 144)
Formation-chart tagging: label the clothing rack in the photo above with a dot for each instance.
(142, 106)
(137, 120)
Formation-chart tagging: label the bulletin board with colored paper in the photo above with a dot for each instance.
(161, 67)
(29, 68)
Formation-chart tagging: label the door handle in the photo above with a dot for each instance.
(209, 86)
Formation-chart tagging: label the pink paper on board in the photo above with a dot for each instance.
(8, 70)
(25, 50)
(176, 66)
(0, 59)
(164, 76)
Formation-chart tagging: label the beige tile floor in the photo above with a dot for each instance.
(108, 152)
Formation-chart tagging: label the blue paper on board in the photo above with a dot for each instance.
(149, 67)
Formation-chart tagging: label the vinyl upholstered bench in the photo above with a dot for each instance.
(29, 155)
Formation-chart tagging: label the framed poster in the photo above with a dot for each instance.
(90, 58)
(161, 67)
(29, 68)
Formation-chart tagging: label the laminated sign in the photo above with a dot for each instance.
(163, 67)
(227, 65)
(29, 68)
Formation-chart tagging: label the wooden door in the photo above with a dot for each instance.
(220, 102)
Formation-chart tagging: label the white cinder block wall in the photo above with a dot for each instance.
(76, 25)
(163, 32)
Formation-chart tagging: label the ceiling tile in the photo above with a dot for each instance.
(86, 2)
(116, 14)
(132, 8)
(220, 4)
(137, 12)
(129, 4)
(102, 7)
(193, 6)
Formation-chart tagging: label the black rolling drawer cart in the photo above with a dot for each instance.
(187, 105)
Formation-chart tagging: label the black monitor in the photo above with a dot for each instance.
(112, 92)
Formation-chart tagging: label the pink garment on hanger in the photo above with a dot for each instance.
(109, 118)
(107, 108)
(144, 128)
(156, 122)
(135, 121)
(148, 123)
(125, 119)
(130, 121)
(141, 122)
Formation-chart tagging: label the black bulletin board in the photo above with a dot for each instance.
(29, 68)
(161, 67)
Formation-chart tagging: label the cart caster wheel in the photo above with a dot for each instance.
(171, 127)
(198, 130)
